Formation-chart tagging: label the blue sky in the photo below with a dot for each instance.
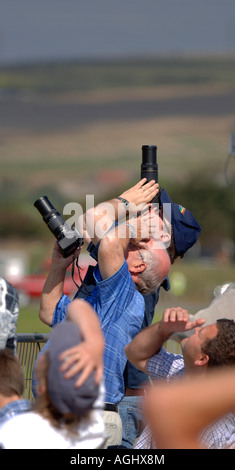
(78, 29)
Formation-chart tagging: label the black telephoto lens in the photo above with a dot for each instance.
(52, 218)
(68, 239)
(149, 166)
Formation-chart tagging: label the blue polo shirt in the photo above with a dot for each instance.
(120, 308)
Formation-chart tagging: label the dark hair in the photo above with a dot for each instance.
(221, 349)
(171, 250)
(11, 374)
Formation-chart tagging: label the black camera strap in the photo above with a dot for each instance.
(83, 285)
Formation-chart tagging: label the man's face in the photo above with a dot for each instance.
(154, 230)
(160, 228)
(191, 346)
(150, 225)
(151, 235)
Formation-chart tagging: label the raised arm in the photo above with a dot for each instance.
(98, 220)
(99, 225)
(149, 341)
(88, 355)
(53, 288)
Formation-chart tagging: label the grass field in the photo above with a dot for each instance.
(28, 321)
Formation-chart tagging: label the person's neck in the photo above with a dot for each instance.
(195, 371)
(5, 400)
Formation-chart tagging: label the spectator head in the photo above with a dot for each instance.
(11, 375)
(157, 266)
(210, 346)
(221, 349)
(55, 393)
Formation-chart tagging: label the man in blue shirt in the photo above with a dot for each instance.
(130, 262)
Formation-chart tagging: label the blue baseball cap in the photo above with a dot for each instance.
(65, 396)
(186, 229)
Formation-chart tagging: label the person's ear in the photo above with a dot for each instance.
(202, 360)
(165, 237)
(162, 240)
(136, 269)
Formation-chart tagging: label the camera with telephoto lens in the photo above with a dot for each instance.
(68, 239)
(149, 166)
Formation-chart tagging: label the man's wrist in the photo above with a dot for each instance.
(124, 202)
(164, 332)
(54, 266)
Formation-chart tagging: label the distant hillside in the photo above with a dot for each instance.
(98, 75)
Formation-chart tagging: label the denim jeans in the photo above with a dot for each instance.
(132, 419)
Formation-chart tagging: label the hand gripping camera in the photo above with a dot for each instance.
(68, 239)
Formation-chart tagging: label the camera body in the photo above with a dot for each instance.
(68, 239)
(149, 166)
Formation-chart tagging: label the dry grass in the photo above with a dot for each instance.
(75, 160)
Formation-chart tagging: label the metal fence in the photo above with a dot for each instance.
(28, 347)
